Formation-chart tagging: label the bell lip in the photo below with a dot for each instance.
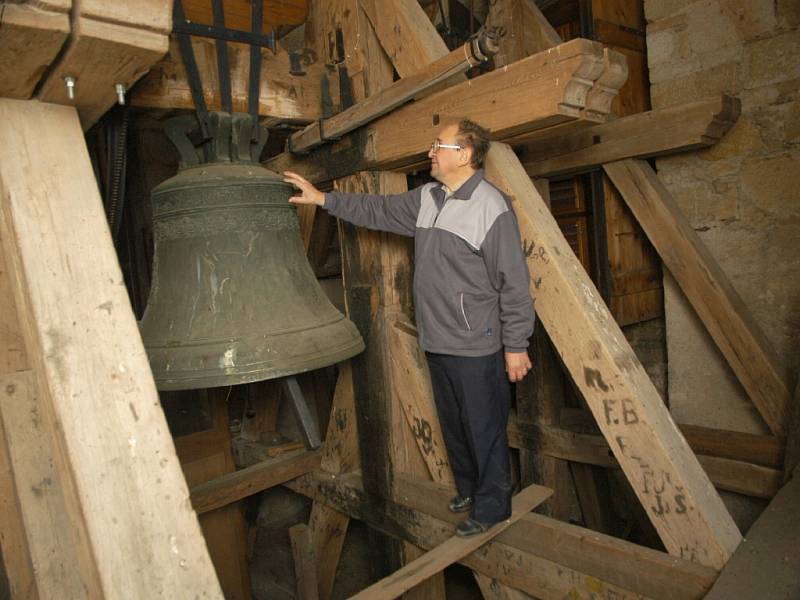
(220, 378)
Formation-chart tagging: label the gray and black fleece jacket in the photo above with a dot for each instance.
(471, 292)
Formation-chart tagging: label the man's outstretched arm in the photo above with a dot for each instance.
(396, 213)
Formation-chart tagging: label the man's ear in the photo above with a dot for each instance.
(466, 157)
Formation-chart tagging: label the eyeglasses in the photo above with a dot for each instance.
(437, 144)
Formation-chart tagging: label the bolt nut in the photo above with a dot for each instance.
(69, 81)
(120, 89)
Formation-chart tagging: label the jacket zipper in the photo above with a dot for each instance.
(464, 314)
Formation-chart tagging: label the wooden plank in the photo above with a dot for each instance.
(680, 500)
(234, 486)
(726, 474)
(122, 480)
(148, 15)
(767, 563)
(653, 133)
(733, 328)
(30, 39)
(43, 559)
(412, 388)
(540, 91)
(406, 34)
(110, 43)
(541, 556)
(451, 551)
(593, 554)
(527, 30)
(206, 455)
(765, 450)
(305, 573)
(282, 96)
(328, 529)
(378, 104)
(238, 13)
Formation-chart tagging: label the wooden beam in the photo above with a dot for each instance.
(450, 551)
(593, 554)
(680, 500)
(238, 13)
(14, 546)
(527, 29)
(662, 131)
(251, 480)
(543, 557)
(283, 96)
(406, 34)
(765, 450)
(540, 91)
(401, 91)
(124, 491)
(30, 39)
(725, 473)
(412, 389)
(42, 550)
(305, 561)
(110, 43)
(730, 323)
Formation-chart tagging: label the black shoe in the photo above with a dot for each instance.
(471, 527)
(460, 504)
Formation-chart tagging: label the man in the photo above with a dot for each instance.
(473, 307)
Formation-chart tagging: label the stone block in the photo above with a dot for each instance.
(710, 27)
(660, 9)
(720, 79)
(772, 184)
(772, 60)
(752, 18)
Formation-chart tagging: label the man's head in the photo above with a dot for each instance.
(461, 150)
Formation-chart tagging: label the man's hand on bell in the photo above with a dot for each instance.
(308, 193)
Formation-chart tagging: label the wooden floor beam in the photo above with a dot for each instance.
(452, 550)
(542, 557)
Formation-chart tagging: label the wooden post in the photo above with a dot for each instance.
(671, 484)
(305, 573)
(125, 499)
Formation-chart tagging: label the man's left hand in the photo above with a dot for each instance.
(517, 365)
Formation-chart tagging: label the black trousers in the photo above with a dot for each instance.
(472, 396)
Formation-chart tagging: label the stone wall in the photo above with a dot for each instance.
(742, 195)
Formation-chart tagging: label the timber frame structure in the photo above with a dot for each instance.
(88, 470)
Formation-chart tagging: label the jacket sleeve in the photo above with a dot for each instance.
(508, 271)
(396, 213)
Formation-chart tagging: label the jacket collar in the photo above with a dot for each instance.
(464, 192)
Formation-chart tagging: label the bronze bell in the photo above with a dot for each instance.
(233, 297)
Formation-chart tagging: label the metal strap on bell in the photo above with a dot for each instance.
(233, 297)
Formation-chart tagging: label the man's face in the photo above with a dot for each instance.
(445, 162)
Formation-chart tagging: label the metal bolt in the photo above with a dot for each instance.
(70, 83)
(120, 89)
